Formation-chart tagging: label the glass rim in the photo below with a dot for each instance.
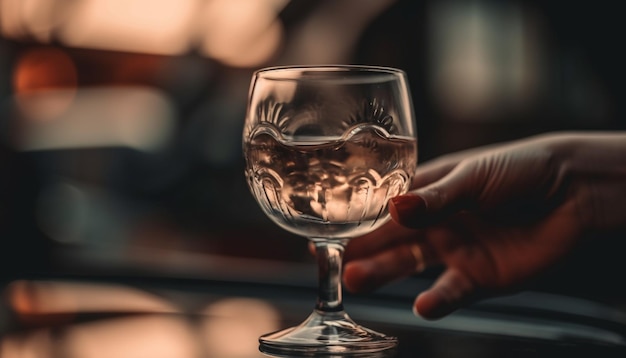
(267, 72)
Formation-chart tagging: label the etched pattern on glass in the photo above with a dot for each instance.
(328, 186)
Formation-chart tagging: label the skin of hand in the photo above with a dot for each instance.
(495, 217)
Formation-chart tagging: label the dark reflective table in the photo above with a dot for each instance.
(223, 316)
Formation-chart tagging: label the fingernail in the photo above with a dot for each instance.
(405, 209)
(415, 312)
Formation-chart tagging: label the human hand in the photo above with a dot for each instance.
(495, 217)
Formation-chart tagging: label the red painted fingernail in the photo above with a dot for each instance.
(405, 209)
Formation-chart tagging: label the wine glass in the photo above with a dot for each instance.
(326, 147)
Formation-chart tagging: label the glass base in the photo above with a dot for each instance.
(326, 333)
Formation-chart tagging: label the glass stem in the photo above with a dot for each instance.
(329, 260)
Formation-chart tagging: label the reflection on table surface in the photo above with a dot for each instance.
(92, 319)
(103, 320)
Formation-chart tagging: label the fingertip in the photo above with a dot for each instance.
(452, 290)
(357, 276)
(430, 306)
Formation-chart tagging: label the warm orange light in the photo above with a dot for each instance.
(55, 297)
(234, 325)
(44, 68)
(241, 33)
(149, 26)
(40, 344)
(35, 19)
(155, 336)
(38, 72)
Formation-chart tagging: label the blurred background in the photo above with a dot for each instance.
(121, 120)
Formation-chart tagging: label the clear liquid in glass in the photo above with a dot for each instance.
(325, 187)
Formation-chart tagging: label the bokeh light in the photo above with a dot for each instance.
(241, 33)
(44, 82)
(150, 26)
(135, 117)
(235, 325)
(238, 33)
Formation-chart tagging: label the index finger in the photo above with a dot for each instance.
(437, 168)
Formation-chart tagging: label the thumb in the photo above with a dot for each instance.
(437, 200)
